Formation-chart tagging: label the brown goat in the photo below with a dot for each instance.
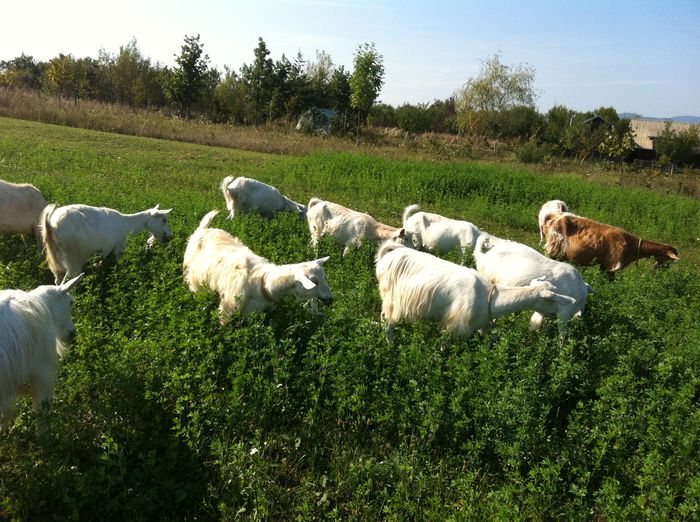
(587, 242)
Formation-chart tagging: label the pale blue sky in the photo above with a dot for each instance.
(638, 56)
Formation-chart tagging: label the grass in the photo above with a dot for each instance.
(281, 139)
(160, 413)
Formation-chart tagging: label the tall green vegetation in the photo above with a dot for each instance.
(677, 147)
(366, 80)
(187, 82)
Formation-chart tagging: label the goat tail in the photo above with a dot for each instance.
(312, 202)
(48, 238)
(207, 219)
(386, 247)
(479, 244)
(225, 183)
(409, 211)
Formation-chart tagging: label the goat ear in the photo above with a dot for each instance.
(402, 232)
(322, 261)
(168, 211)
(157, 206)
(305, 281)
(66, 287)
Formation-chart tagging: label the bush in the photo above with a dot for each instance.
(382, 115)
(531, 152)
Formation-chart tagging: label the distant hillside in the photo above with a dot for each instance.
(678, 119)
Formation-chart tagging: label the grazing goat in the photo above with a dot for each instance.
(245, 281)
(415, 285)
(249, 195)
(74, 233)
(35, 327)
(513, 264)
(349, 227)
(555, 206)
(437, 233)
(585, 242)
(20, 209)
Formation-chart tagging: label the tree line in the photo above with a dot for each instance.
(263, 91)
(497, 104)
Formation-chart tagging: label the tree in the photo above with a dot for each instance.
(618, 145)
(413, 118)
(259, 79)
(188, 80)
(557, 120)
(60, 77)
(230, 99)
(677, 147)
(366, 80)
(519, 122)
(22, 72)
(498, 87)
(339, 91)
(133, 80)
(382, 115)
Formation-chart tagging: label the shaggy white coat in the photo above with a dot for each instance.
(73, 234)
(416, 285)
(20, 208)
(555, 206)
(349, 227)
(245, 281)
(514, 264)
(437, 233)
(34, 327)
(249, 195)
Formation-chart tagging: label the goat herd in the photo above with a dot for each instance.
(413, 284)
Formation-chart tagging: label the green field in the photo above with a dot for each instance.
(160, 413)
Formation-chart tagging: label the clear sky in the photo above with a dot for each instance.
(638, 56)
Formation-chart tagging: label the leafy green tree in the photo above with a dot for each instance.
(413, 118)
(382, 115)
(22, 72)
(289, 94)
(618, 146)
(366, 80)
(60, 76)
(187, 82)
(580, 138)
(230, 99)
(519, 122)
(318, 73)
(441, 115)
(677, 147)
(556, 122)
(134, 81)
(259, 79)
(339, 90)
(498, 87)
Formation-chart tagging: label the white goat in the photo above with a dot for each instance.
(245, 281)
(35, 328)
(554, 206)
(416, 285)
(74, 233)
(248, 195)
(514, 264)
(437, 233)
(20, 208)
(349, 227)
